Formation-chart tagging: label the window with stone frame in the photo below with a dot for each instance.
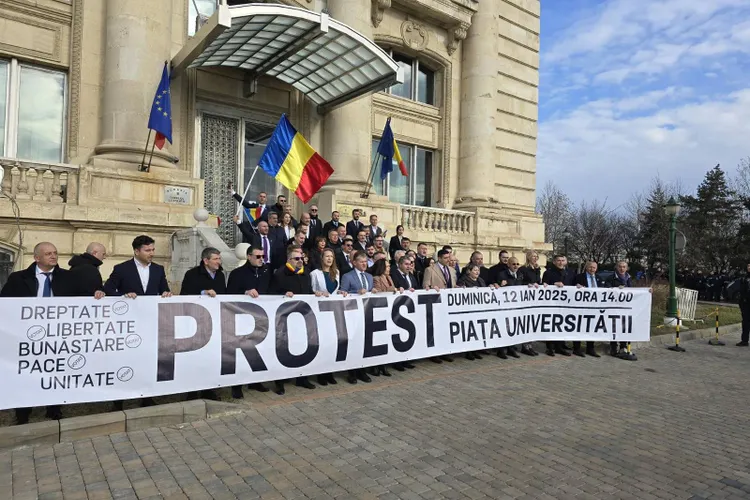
(413, 189)
(419, 80)
(32, 112)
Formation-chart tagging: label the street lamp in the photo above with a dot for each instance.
(566, 236)
(673, 209)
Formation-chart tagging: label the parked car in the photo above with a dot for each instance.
(731, 291)
(605, 276)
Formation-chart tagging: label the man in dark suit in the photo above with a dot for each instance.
(360, 241)
(207, 278)
(316, 225)
(588, 279)
(478, 259)
(402, 276)
(343, 257)
(138, 276)
(86, 279)
(355, 225)
(357, 281)
(512, 277)
(41, 279)
(274, 229)
(261, 203)
(373, 230)
(558, 275)
(421, 262)
(334, 223)
(273, 248)
(493, 275)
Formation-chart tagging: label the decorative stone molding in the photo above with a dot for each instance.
(378, 8)
(415, 35)
(455, 35)
(76, 53)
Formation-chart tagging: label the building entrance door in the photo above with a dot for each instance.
(230, 150)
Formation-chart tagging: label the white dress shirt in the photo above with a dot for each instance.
(144, 272)
(41, 278)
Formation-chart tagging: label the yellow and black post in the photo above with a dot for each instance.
(676, 347)
(715, 340)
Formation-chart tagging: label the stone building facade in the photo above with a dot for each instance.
(77, 79)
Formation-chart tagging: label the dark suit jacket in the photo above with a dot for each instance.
(400, 282)
(85, 277)
(125, 279)
(394, 245)
(373, 233)
(553, 275)
(197, 279)
(341, 263)
(352, 229)
(316, 229)
(356, 246)
(582, 280)
(329, 226)
(420, 266)
(505, 275)
(276, 249)
(251, 205)
(24, 283)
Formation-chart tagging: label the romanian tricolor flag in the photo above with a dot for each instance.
(293, 162)
(388, 149)
(253, 214)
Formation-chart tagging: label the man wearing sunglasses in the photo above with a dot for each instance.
(343, 258)
(293, 279)
(513, 277)
(252, 279)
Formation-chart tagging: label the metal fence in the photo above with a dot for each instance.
(687, 300)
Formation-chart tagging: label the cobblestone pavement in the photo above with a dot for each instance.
(668, 426)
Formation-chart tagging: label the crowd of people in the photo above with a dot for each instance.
(316, 258)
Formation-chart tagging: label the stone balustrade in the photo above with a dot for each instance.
(47, 182)
(415, 218)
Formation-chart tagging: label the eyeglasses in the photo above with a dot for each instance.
(297, 258)
(514, 264)
(313, 209)
(257, 256)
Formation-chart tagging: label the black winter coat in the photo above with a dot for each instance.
(286, 281)
(248, 277)
(85, 277)
(197, 280)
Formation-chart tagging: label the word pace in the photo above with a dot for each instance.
(401, 311)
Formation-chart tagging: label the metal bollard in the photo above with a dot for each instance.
(715, 340)
(676, 347)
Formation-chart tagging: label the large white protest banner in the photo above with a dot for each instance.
(70, 350)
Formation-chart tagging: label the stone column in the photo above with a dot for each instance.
(478, 108)
(348, 136)
(138, 41)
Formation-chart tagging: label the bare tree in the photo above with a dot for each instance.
(556, 210)
(596, 233)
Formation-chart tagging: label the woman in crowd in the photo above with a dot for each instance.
(532, 276)
(326, 280)
(471, 279)
(316, 253)
(287, 226)
(395, 243)
(382, 282)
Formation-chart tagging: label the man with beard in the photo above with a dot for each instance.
(334, 223)
(289, 280)
(494, 272)
(355, 225)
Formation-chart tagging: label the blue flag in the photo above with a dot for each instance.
(385, 149)
(160, 120)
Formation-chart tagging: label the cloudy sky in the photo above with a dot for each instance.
(631, 89)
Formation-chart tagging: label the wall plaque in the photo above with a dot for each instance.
(177, 195)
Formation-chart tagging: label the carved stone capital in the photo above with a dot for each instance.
(455, 35)
(378, 8)
(415, 35)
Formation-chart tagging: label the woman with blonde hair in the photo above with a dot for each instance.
(287, 225)
(326, 281)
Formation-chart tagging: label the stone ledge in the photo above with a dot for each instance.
(88, 426)
(103, 424)
(30, 434)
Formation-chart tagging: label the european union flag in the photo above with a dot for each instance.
(388, 149)
(160, 120)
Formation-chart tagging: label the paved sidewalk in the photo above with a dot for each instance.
(668, 426)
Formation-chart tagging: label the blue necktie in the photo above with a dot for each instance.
(47, 290)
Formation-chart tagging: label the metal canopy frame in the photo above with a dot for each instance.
(324, 59)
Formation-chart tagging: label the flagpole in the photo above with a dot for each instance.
(142, 166)
(366, 193)
(148, 168)
(244, 195)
